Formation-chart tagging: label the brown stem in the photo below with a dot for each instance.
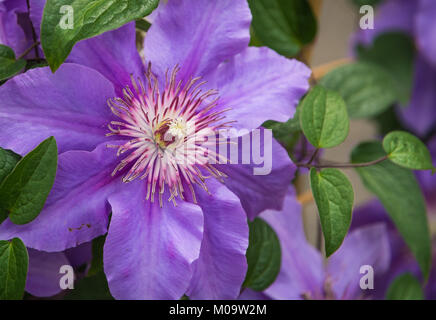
(28, 50)
(313, 156)
(342, 165)
(35, 39)
(320, 71)
(305, 198)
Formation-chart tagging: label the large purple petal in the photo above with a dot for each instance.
(197, 35)
(260, 192)
(43, 275)
(364, 246)
(18, 5)
(149, 250)
(69, 105)
(253, 99)
(113, 54)
(426, 29)
(420, 115)
(79, 255)
(220, 270)
(12, 33)
(76, 210)
(302, 271)
(249, 294)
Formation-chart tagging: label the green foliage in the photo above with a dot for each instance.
(399, 192)
(395, 53)
(91, 18)
(287, 133)
(324, 118)
(142, 25)
(8, 161)
(263, 256)
(388, 121)
(283, 25)
(334, 197)
(9, 65)
(97, 256)
(405, 287)
(91, 288)
(367, 89)
(14, 263)
(407, 151)
(25, 190)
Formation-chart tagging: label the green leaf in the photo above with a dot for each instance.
(14, 263)
(388, 121)
(91, 18)
(142, 25)
(367, 89)
(400, 194)
(287, 133)
(25, 189)
(91, 288)
(407, 151)
(283, 25)
(395, 53)
(8, 161)
(334, 197)
(33, 64)
(263, 256)
(9, 66)
(324, 118)
(97, 255)
(405, 287)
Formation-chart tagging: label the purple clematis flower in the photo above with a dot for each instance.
(156, 249)
(304, 275)
(402, 259)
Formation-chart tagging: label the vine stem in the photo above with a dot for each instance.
(305, 198)
(341, 165)
(322, 70)
(28, 50)
(35, 40)
(312, 158)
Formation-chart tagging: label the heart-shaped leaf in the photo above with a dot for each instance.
(408, 151)
(334, 197)
(324, 118)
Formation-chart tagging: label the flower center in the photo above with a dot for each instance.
(170, 134)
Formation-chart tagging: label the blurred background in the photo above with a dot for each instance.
(338, 20)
